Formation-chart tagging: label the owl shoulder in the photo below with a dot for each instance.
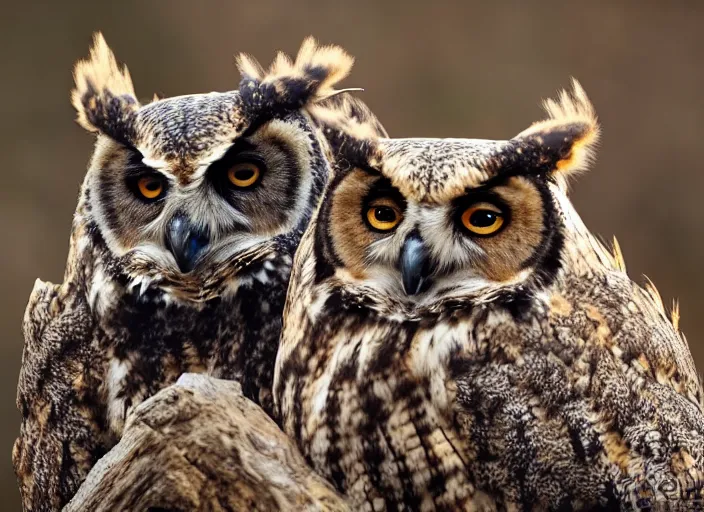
(56, 395)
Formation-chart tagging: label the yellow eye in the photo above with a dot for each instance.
(150, 187)
(244, 174)
(483, 219)
(383, 215)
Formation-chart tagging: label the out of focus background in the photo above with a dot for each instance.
(440, 69)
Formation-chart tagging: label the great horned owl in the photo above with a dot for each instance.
(455, 338)
(180, 254)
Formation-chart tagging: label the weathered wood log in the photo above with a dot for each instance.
(201, 445)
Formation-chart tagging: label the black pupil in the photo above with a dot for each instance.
(384, 214)
(153, 185)
(244, 174)
(483, 218)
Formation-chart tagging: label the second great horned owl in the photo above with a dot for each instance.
(455, 338)
(180, 254)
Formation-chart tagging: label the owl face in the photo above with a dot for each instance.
(417, 221)
(476, 238)
(187, 209)
(185, 192)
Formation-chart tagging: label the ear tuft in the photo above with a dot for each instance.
(288, 85)
(571, 106)
(326, 65)
(249, 67)
(349, 126)
(104, 96)
(350, 115)
(569, 135)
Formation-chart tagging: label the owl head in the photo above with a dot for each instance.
(186, 192)
(408, 224)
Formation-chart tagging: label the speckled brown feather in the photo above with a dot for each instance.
(564, 387)
(128, 320)
(58, 393)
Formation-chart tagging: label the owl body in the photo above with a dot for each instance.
(180, 254)
(456, 339)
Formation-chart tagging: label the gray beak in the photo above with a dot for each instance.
(413, 264)
(185, 241)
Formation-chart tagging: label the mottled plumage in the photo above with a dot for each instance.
(455, 338)
(180, 254)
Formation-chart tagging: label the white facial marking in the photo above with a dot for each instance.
(117, 373)
(102, 293)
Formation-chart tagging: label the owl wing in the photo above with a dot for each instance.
(557, 447)
(590, 408)
(523, 450)
(57, 395)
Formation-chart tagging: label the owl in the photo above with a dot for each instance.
(180, 254)
(455, 338)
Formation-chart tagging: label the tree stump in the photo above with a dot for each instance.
(201, 445)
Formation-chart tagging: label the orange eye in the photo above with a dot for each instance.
(244, 174)
(150, 187)
(483, 219)
(383, 215)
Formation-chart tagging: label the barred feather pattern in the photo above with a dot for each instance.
(131, 316)
(560, 385)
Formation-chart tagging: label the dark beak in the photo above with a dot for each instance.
(185, 241)
(413, 264)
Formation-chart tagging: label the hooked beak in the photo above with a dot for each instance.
(185, 241)
(413, 264)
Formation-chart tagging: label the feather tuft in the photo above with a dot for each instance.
(675, 314)
(350, 115)
(618, 259)
(570, 134)
(654, 294)
(290, 85)
(104, 96)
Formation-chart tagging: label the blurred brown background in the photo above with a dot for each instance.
(457, 69)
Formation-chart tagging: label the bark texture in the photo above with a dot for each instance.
(201, 445)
